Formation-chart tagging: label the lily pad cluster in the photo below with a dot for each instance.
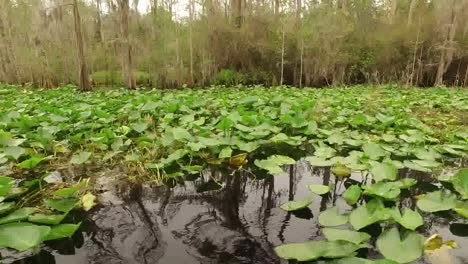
(31, 213)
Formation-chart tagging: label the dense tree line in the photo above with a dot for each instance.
(201, 42)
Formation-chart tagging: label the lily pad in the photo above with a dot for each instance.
(18, 215)
(352, 194)
(332, 217)
(46, 219)
(442, 200)
(6, 207)
(409, 219)
(384, 171)
(400, 249)
(63, 205)
(460, 182)
(372, 212)
(341, 170)
(22, 236)
(312, 250)
(80, 157)
(386, 190)
(332, 234)
(320, 189)
(319, 161)
(296, 205)
(62, 231)
(373, 150)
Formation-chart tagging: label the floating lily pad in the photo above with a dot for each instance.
(460, 182)
(384, 171)
(386, 190)
(400, 249)
(319, 161)
(320, 189)
(341, 170)
(46, 219)
(63, 205)
(409, 219)
(312, 250)
(373, 150)
(296, 205)
(372, 212)
(352, 194)
(22, 236)
(332, 234)
(18, 215)
(332, 217)
(62, 231)
(442, 200)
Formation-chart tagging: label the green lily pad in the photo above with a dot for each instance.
(70, 191)
(80, 157)
(273, 163)
(409, 219)
(462, 209)
(312, 250)
(400, 249)
(406, 183)
(63, 205)
(386, 190)
(6, 184)
(319, 189)
(30, 163)
(6, 207)
(372, 212)
(373, 150)
(384, 171)
(355, 260)
(14, 152)
(46, 219)
(460, 182)
(22, 236)
(442, 200)
(332, 234)
(62, 231)
(139, 127)
(296, 205)
(18, 215)
(332, 217)
(319, 161)
(352, 194)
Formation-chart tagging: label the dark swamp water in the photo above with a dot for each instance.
(240, 223)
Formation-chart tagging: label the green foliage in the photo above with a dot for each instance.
(228, 78)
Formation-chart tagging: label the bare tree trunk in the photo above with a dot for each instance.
(83, 78)
(302, 63)
(277, 7)
(411, 77)
(191, 40)
(411, 11)
(11, 71)
(126, 46)
(98, 36)
(393, 11)
(282, 58)
(448, 49)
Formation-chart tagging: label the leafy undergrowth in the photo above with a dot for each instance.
(171, 136)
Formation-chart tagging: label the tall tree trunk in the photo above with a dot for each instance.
(277, 7)
(448, 49)
(393, 11)
(236, 10)
(98, 35)
(83, 78)
(191, 40)
(126, 46)
(10, 69)
(411, 11)
(282, 58)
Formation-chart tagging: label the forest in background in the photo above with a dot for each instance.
(48, 43)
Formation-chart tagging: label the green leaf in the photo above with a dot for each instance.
(413, 166)
(409, 219)
(462, 209)
(312, 250)
(355, 260)
(406, 183)
(332, 217)
(269, 166)
(62, 205)
(46, 219)
(6, 184)
(442, 200)
(6, 207)
(400, 249)
(372, 212)
(14, 152)
(318, 161)
(373, 150)
(296, 205)
(180, 133)
(30, 163)
(225, 153)
(319, 189)
(62, 231)
(352, 194)
(386, 190)
(281, 160)
(332, 234)
(384, 171)
(460, 182)
(80, 157)
(22, 236)
(324, 151)
(70, 191)
(18, 215)
(139, 127)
